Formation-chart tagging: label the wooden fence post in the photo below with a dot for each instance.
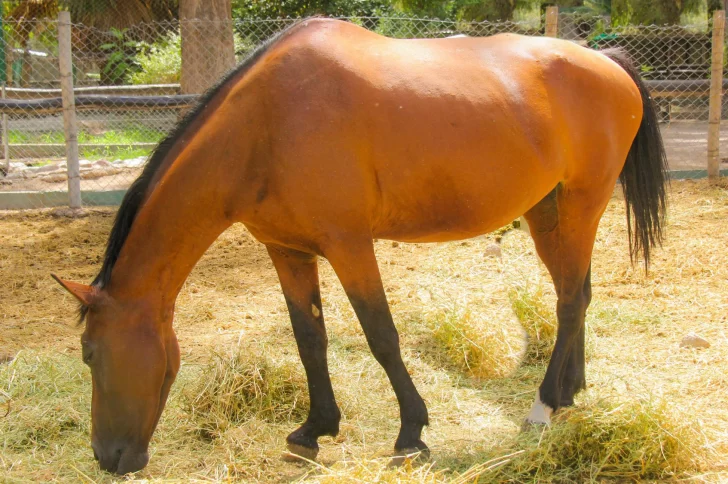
(716, 95)
(552, 21)
(65, 60)
(6, 143)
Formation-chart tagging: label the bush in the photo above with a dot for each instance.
(161, 62)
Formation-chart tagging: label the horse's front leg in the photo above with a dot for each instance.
(356, 266)
(298, 274)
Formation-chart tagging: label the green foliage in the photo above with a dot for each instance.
(477, 10)
(303, 8)
(161, 62)
(403, 27)
(112, 145)
(430, 8)
(649, 12)
(467, 10)
(623, 12)
(243, 46)
(121, 58)
(599, 7)
(96, 12)
(443, 9)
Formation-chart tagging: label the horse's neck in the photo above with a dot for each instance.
(185, 212)
(169, 235)
(193, 201)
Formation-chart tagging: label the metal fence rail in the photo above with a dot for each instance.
(128, 96)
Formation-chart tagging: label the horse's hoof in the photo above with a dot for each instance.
(530, 425)
(412, 454)
(299, 453)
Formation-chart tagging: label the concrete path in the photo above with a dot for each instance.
(686, 144)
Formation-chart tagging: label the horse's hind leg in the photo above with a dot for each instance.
(356, 267)
(563, 226)
(298, 274)
(573, 377)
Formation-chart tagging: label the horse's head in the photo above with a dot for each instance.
(134, 357)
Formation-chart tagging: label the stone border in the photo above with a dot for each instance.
(32, 200)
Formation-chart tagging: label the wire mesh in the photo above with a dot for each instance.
(675, 62)
(152, 61)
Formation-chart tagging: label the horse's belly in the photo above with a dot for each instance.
(456, 215)
(443, 231)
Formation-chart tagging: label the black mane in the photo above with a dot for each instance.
(135, 195)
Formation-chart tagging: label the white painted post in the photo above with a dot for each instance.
(70, 126)
(716, 95)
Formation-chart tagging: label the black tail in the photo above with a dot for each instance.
(644, 177)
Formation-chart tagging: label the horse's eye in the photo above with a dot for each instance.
(87, 353)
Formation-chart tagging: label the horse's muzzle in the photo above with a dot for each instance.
(120, 460)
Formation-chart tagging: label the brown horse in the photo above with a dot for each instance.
(330, 136)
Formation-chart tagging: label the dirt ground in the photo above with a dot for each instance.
(232, 298)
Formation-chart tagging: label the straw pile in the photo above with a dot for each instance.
(238, 387)
(653, 410)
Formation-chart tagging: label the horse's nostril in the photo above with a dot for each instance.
(108, 459)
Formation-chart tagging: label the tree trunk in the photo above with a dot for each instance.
(207, 43)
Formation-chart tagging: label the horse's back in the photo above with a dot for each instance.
(441, 138)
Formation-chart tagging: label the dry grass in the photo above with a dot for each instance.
(476, 349)
(538, 317)
(652, 410)
(633, 440)
(241, 386)
(46, 400)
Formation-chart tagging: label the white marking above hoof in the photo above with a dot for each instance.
(540, 412)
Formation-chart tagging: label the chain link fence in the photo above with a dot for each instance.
(129, 92)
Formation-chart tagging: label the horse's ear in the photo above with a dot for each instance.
(85, 294)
